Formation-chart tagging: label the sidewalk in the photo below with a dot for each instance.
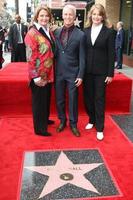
(7, 57)
(128, 71)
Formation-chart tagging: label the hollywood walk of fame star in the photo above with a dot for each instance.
(77, 22)
(63, 172)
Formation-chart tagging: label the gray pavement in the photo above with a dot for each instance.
(7, 57)
(124, 121)
(128, 71)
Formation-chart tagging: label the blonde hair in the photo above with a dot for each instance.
(102, 13)
(47, 9)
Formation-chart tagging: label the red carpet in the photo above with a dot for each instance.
(17, 136)
(17, 132)
(15, 93)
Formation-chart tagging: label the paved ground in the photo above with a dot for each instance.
(128, 71)
(7, 57)
(124, 121)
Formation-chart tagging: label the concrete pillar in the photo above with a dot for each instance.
(103, 2)
(113, 11)
(2, 5)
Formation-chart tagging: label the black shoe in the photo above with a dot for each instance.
(44, 134)
(75, 131)
(50, 122)
(61, 127)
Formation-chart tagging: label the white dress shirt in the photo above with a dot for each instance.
(46, 30)
(20, 39)
(95, 30)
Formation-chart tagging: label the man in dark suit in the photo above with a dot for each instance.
(119, 45)
(70, 65)
(17, 34)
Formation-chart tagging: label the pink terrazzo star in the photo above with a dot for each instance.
(63, 172)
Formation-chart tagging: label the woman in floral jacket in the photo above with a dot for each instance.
(40, 55)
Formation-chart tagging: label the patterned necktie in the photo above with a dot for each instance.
(65, 37)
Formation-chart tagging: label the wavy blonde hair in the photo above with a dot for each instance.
(102, 13)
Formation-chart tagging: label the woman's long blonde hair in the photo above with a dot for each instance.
(102, 13)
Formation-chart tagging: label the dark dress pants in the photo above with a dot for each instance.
(94, 97)
(18, 53)
(40, 106)
(1, 56)
(119, 58)
(61, 85)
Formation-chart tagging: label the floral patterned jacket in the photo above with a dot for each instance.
(40, 56)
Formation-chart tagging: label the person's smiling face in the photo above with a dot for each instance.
(96, 17)
(43, 18)
(68, 17)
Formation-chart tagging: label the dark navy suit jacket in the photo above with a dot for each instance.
(70, 61)
(14, 34)
(119, 41)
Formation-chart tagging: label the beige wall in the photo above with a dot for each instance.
(1, 5)
(103, 2)
(112, 8)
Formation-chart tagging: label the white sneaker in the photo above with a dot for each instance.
(89, 126)
(100, 135)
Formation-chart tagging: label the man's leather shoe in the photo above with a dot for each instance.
(44, 134)
(75, 131)
(61, 127)
(50, 122)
